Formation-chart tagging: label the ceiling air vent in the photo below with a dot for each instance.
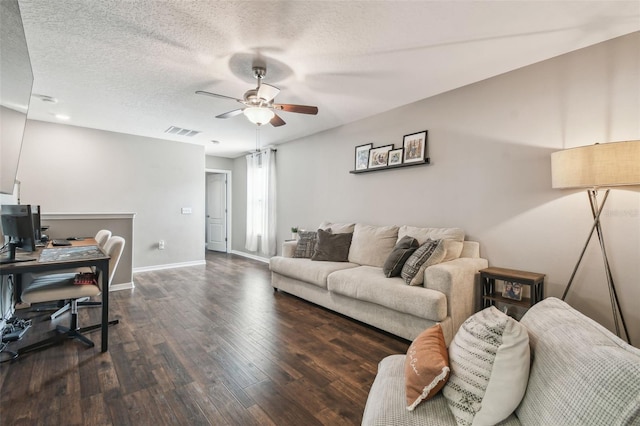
(181, 132)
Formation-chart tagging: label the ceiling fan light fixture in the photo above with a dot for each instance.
(258, 115)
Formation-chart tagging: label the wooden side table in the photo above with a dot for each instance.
(490, 296)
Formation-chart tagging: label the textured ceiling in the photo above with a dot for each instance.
(133, 66)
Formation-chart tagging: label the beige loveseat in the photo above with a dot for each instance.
(359, 289)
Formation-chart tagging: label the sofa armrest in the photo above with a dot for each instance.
(458, 280)
(289, 248)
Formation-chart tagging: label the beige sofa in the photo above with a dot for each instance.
(359, 289)
(580, 375)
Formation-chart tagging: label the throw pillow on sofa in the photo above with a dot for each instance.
(489, 359)
(453, 238)
(306, 244)
(338, 228)
(372, 244)
(429, 253)
(426, 366)
(332, 247)
(453, 249)
(404, 248)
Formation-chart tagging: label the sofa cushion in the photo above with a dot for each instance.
(489, 358)
(404, 248)
(332, 247)
(338, 228)
(453, 249)
(306, 244)
(426, 367)
(386, 401)
(430, 253)
(372, 245)
(452, 235)
(581, 373)
(315, 273)
(368, 283)
(422, 234)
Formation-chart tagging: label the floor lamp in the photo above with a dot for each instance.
(595, 167)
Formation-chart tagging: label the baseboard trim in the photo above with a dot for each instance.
(122, 286)
(250, 256)
(169, 266)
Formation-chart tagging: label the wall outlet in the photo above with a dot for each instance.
(186, 210)
(161, 245)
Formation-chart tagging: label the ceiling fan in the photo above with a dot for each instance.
(259, 106)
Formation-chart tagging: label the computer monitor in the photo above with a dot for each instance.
(17, 227)
(37, 226)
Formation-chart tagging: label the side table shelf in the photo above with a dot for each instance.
(490, 296)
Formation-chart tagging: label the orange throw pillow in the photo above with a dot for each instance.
(426, 367)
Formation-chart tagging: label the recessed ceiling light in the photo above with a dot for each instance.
(62, 117)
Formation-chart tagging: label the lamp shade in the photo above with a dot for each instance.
(258, 115)
(599, 165)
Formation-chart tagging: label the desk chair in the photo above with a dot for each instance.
(61, 287)
(102, 236)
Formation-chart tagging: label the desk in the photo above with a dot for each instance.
(101, 262)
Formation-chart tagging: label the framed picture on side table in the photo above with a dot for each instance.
(415, 147)
(512, 290)
(379, 157)
(395, 156)
(362, 156)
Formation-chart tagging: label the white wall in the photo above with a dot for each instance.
(73, 169)
(490, 146)
(218, 163)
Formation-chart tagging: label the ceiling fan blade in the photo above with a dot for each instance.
(215, 95)
(276, 121)
(301, 109)
(267, 91)
(230, 113)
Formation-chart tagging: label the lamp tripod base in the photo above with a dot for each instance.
(613, 295)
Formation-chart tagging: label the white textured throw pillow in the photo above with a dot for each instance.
(489, 359)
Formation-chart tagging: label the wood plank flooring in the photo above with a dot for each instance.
(205, 345)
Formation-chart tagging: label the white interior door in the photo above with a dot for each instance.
(217, 212)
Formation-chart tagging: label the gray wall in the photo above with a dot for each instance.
(218, 163)
(71, 169)
(490, 146)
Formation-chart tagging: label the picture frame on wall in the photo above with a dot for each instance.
(362, 156)
(379, 157)
(415, 145)
(395, 156)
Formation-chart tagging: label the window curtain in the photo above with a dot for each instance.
(261, 202)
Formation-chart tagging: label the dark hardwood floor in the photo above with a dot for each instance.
(196, 346)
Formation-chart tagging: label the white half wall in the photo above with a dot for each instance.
(73, 169)
(490, 145)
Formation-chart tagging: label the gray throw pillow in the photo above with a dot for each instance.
(332, 247)
(306, 244)
(430, 253)
(404, 248)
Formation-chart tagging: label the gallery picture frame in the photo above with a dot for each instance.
(415, 145)
(395, 156)
(362, 156)
(378, 157)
